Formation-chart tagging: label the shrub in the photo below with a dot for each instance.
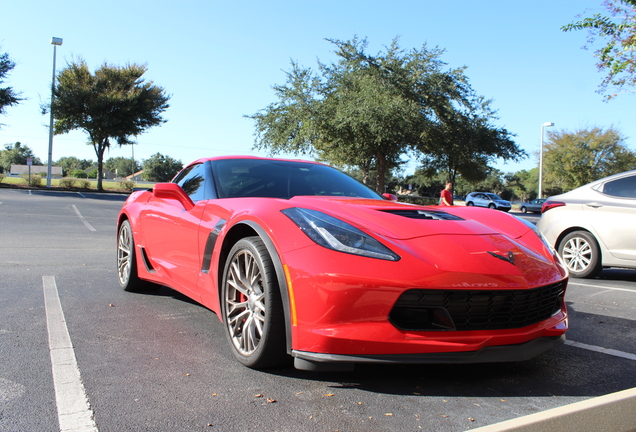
(2, 176)
(79, 174)
(67, 182)
(33, 180)
(128, 185)
(84, 184)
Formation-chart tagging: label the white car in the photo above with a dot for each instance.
(594, 226)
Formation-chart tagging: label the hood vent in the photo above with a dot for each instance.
(424, 214)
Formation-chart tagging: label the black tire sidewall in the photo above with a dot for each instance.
(271, 348)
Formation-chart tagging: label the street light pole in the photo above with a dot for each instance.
(547, 124)
(55, 42)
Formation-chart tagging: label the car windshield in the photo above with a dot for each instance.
(235, 178)
(493, 196)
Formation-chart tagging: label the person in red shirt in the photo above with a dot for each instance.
(446, 197)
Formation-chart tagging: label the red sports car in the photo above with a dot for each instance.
(298, 259)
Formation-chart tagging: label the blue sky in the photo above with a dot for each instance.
(220, 59)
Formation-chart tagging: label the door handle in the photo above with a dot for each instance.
(594, 204)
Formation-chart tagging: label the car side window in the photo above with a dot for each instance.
(622, 188)
(192, 181)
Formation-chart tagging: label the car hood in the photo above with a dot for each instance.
(402, 221)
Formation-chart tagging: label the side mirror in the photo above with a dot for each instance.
(389, 197)
(173, 191)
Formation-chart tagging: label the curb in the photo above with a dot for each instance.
(615, 412)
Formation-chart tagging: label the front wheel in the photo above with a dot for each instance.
(126, 261)
(524, 210)
(252, 307)
(581, 254)
(491, 206)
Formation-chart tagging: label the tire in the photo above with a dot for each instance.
(524, 210)
(581, 254)
(470, 204)
(251, 306)
(491, 206)
(126, 260)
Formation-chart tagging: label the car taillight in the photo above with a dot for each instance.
(549, 205)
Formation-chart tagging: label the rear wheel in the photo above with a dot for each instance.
(470, 204)
(126, 261)
(524, 210)
(252, 307)
(581, 254)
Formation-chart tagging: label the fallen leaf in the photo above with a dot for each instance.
(388, 414)
(270, 400)
(111, 305)
(213, 394)
(471, 419)
(258, 395)
(329, 394)
(444, 416)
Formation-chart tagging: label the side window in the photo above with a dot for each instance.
(622, 188)
(192, 181)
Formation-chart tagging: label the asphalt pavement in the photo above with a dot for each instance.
(157, 361)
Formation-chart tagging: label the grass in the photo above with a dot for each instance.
(109, 185)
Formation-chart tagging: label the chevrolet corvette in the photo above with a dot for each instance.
(299, 260)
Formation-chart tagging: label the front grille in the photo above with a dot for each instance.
(430, 310)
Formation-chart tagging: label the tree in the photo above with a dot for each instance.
(617, 58)
(8, 96)
(573, 159)
(122, 166)
(368, 111)
(160, 168)
(464, 142)
(16, 154)
(71, 164)
(114, 104)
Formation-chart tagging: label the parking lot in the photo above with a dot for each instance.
(157, 361)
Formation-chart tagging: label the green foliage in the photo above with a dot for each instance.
(8, 96)
(92, 173)
(617, 58)
(2, 176)
(67, 183)
(114, 104)
(369, 111)
(122, 166)
(71, 164)
(160, 168)
(80, 174)
(83, 184)
(33, 180)
(127, 185)
(573, 159)
(16, 154)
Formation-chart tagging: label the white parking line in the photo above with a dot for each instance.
(602, 287)
(595, 348)
(73, 409)
(89, 226)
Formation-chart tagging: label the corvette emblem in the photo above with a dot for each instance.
(510, 258)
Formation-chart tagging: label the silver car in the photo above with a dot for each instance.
(533, 206)
(594, 226)
(487, 199)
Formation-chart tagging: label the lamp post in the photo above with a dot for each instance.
(55, 42)
(547, 124)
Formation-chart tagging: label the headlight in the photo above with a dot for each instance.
(332, 233)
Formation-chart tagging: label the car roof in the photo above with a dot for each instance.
(213, 158)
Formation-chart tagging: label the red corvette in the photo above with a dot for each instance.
(298, 259)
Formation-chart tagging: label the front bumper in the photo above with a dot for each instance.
(492, 354)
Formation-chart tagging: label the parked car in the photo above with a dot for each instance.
(594, 226)
(533, 206)
(299, 260)
(487, 199)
